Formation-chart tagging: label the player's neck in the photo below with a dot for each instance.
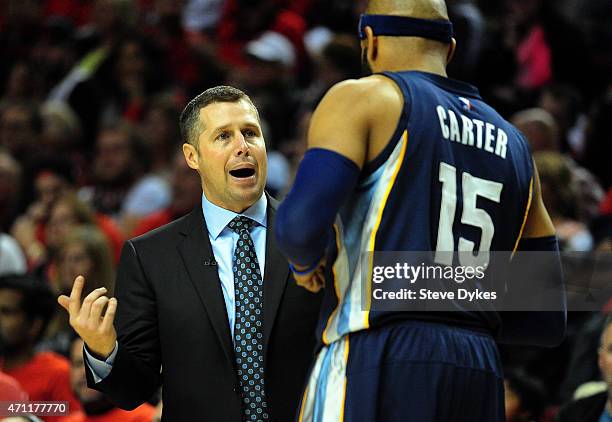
(425, 64)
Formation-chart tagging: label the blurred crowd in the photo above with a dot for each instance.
(91, 91)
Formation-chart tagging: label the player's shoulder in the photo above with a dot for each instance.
(373, 84)
(371, 92)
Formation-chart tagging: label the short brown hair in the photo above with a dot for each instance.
(189, 120)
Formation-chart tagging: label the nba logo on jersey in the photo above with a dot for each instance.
(467, 105)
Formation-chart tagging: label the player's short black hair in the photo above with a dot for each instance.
(189, 120)
(38, 301)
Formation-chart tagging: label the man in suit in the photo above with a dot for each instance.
(193, 312)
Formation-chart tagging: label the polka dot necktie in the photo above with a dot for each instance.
(248, 327)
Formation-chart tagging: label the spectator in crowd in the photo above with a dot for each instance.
(84, 251)
(21, 84)
(61, 131)
(12, 259)
(540, 36)
(41, 244)
(26, 307)
(336, 60)
(188, 56)
(68, 213)
(542, 132)
(54, 53)
(559, 193)
(122, 188)
(186, 193)
(564, 104)
(10, 189)
(598, 407)
(242, 21)
(10, 390)
(161, 133)
(130, 75)
(201, 15)
(598, 149)
(269, 78)
(539, 127)
(96, 407)
(525, 396)
(583, 366)
(20, 127)
(52, 177)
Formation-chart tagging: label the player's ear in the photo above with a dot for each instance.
(451, 50)
(191, 156)
(372, 44)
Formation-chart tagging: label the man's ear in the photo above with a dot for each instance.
(451, 50)
(372, 43)
(191, 156)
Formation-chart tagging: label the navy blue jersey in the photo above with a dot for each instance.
(455, 176)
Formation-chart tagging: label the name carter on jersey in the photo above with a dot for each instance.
(472, 132)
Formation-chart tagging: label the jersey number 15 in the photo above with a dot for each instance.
(472, 188)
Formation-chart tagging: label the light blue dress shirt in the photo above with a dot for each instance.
(223, 242)
(605, 416)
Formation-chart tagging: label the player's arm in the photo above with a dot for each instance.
(538, 328)
(328, 173)
(538, 222)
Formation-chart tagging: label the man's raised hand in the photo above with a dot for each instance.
(95, 328)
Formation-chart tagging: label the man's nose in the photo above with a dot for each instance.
(242, 147)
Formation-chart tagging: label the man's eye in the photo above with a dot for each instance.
(223, 136)
(249, 133)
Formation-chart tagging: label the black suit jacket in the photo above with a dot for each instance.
(171, 315)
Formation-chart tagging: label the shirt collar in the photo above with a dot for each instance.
(218, 218)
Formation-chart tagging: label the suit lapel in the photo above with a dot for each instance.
(275, 275)
(199, 260)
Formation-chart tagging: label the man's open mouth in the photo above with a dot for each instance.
(242, 173)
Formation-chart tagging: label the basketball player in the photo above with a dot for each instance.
(407, 159)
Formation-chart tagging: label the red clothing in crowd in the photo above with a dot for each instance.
(46, 378)
(112, 233)
(154, 221)
(231, 39)
(534, 58)
(78, 11)
(10, 390)
(606, 205)
(143, 413)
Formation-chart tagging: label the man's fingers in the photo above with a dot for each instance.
(96, 311)
(75, 296)
(109, 316)
(89, 300)
(64, 302)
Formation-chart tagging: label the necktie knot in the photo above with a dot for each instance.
(240, 224)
